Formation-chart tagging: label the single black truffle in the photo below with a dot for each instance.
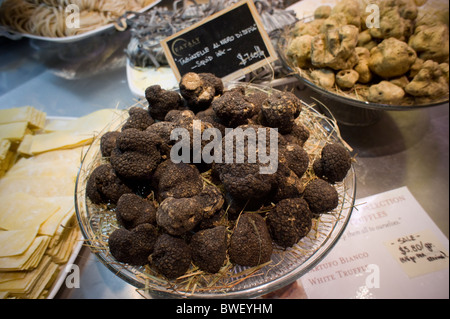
(139, 118)
(210, 200)
(133, 246)
(209, 248)
(108, 143)
(289, 221)
(178, 215)
(250, 243)
(280, 110)
(171, 256)
(199, 89)
(161, 101)
(289, 185)
(297, 159)
(176, 180)
(233, 108)
(136, 155)
(334, 163)
(320, 196)
(104, 186)
(133, 210)
(298, 135)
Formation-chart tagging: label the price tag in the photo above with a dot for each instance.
(419, 253)
(229, 44)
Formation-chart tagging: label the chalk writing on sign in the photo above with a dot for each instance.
(229, 44)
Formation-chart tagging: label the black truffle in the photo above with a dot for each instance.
(250, 243)
(289, 221)
(108, 143)
(133, 246)
(298, 135)
(245, 177)
(210, 199)
(280, 110)
(320, 196)
(297, 159)
(176, 180)
(233, 108)
(334, 163)
(136, 155)
(171, 256)
(161, 101)
(133, 210)
(139, 118)
(104, 186)
(178, 215)
(199, 89)
(209, 248)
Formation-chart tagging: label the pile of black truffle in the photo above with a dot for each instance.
(172, 215)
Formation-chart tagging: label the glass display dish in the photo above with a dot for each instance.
(348, 107)
(232, 281)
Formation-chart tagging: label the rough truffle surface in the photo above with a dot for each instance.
(280, 110)
(209, 248)
(135, 246)
(104, 186)
(161, 101)
(250, 243)
(133, 210)
(334, 163)
(289, 221)
(136, 155)
(139, 118)
(320, 196)
(171, 256)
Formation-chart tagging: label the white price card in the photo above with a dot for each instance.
(390, 249)
(419, 253)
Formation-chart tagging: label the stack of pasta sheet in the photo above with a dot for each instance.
(38, 226)
(15, 124)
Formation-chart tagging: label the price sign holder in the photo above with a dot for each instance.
(229, 44)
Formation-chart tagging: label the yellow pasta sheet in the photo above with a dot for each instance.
(21, 210)
(76, 133)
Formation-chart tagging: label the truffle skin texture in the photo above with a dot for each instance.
(297, 158)
(171, 256)
(136, 155)
(280, 110)
(233, 108)
(209, 248)
(108, 143)
(161, 101)
(199, 89)
(334, 163)
(139, 118)
(250, 243)
(178, 215)
(133, 210)
(133, 246)
(177, 180)
(104, 186)
(320, 196)
(289, 221)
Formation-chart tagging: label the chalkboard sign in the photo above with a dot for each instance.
(229, 44)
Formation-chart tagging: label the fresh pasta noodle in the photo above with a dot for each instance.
(48, 17)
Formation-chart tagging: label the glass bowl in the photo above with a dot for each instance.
(232, 281)
(347, 107)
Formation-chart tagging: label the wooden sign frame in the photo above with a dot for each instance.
(221, 44)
